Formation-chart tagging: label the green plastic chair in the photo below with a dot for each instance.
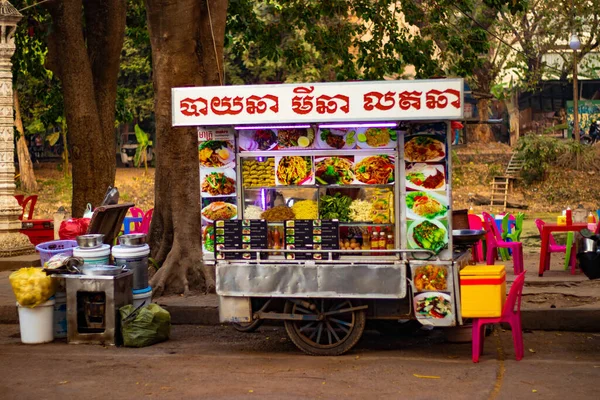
(515, 235)
(570, 238)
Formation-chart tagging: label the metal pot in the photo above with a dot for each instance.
(588, 245)
(90, 241)
(106, 270)
(466, 237)
(132, 239)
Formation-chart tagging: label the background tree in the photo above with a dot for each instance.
(84, 43)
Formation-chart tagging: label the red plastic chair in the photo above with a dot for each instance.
(136, 212)
(556, 248)
(475, 223)
(511, 314)
(493, 239)
(28, 201)
(145, 224)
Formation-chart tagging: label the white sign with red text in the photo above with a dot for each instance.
(318, 102)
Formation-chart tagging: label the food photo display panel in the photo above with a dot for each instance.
(433, 299)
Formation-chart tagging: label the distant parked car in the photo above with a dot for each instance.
(128, 148)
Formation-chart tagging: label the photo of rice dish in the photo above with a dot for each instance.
(215, 153)
(426, 205)
(430, 277)
(295, 137)
(294, 170)
(219, 210)
(375, 170)
(424, 148)
(425, 176)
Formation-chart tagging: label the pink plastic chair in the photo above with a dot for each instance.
(494, 241)
(475, 223)
(145, 224)
(511, 314)
(557, 248)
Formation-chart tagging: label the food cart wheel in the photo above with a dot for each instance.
(333, 334)
(248, 327)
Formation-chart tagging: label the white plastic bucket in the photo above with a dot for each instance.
(136, 260)
(98, 255)
(37, 323)
(142, 296)
(60, 315)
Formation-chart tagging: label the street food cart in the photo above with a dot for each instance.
(327, 204)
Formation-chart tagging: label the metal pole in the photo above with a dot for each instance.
(575, 100)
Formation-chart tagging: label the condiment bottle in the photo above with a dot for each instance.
(382, 242)
(276, 239)
(391, 245)
(366, 243)
(375, 242)
(591, 222)
(569, 216)
(471, 211)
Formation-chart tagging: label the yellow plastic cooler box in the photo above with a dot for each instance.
(482, 291)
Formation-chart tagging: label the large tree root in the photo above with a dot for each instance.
(180, 268)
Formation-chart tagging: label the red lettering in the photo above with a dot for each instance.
(258, 105)
(193, 107)
(438, 99)
(379, 101)
(303, 104)
(407, 100)
(329, 105)
(225, 105)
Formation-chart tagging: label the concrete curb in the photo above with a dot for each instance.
(565, 319)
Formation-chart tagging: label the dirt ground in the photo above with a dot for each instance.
(219, 363)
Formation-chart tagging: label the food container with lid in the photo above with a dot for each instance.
(482, 291)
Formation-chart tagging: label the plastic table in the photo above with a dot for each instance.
(546, 231)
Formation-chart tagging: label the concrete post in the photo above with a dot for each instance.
(11, 241)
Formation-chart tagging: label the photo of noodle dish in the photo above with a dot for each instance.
(434, 305)
(422, 148)
(215, 182)
(219, 210)
(427, 234)
(257, 140)
(422, 176)
(334, 170)
(376, 138)
(429, 205)
(216, 153)
(375, 170)
(293, 170)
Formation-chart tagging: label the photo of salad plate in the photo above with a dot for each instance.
(435, 306)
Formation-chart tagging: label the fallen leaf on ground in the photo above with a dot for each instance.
(531, 350)
(250, 391)
(534, 391)
(426, 376)
(63, 382)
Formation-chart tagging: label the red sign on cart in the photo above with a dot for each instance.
(318, 102)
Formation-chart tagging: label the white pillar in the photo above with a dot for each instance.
(11, 241)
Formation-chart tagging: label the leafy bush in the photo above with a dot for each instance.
(537, 153)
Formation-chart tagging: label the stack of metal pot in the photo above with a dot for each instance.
(588, 254)
(133, 252)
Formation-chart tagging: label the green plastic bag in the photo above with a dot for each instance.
(148, 325)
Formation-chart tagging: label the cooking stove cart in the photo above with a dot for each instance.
(327, 204)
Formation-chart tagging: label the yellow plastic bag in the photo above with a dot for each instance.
(31, 286)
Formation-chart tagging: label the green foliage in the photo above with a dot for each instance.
(135, 93)
(538, 152)
(141, 152)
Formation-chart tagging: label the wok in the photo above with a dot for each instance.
(466, 237)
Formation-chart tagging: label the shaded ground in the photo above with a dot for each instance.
(219, 363)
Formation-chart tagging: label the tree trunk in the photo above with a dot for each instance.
(481, 133)
(183, 54)
(28, 182)
(86, 60)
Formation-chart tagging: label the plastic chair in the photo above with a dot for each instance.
(476, 224)
(557, 248)
(145, 224)
(137, 216)
(28, 201)
(508, 221)
(511, 314)
(494, 242)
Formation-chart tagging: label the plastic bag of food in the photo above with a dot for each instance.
(146, 326)
(73, 227)
(32, 286)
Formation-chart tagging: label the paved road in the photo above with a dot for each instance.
(218, 363)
